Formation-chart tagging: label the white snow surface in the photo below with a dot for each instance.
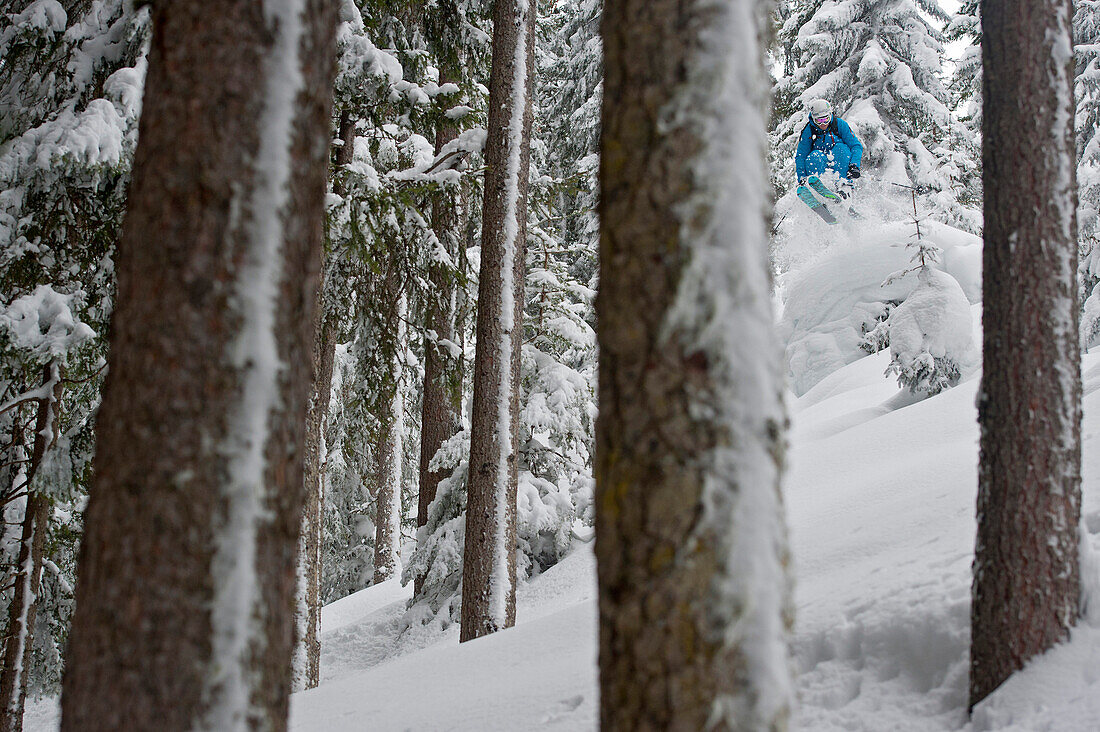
(880, 498)
(831, 297)
(881, 508)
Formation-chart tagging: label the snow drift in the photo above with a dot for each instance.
(840, 291)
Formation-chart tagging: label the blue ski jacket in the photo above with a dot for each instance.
(838, 133)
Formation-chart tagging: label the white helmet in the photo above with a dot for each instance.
(820, 108)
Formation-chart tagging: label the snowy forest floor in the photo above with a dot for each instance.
(880, 498)
(881, 506)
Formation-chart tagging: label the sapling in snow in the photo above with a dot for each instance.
(931, 343)
(930, 335)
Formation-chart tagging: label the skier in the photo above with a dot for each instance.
(827, 143)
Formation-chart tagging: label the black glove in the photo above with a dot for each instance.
(853, 171)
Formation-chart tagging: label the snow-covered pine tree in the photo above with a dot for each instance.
(452, 34)
(1026, 588)
(880, 63)
(387, 101)
(930, 332)
(346, 560)
(965, 27)
(965, 86)
(557, 409)
(559, 364)
(567, 142)
(370, 92)
(41, 328)
(555, 448)
(437, 560)
(70, 93)
(1086, 33)
(692, 557)
(931, 345)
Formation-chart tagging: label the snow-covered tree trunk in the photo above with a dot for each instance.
(22, 613)
(489, 561)
(387, 519)
(23, 609)
(307, 659)
(1026, 573)
(442, 401)
(307, 662)
(691, 543)
(185, 602)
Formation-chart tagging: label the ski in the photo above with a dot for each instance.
(823, 189)
(817, 206)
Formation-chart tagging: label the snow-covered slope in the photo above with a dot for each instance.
(880, 497)
(881, 501)
(540, 674)
(835, 291)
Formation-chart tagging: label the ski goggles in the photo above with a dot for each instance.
(823, 120)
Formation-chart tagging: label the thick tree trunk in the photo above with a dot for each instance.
(387, 520)
(185, 600)
(489, 562)
(690, 539)
(23, 610)
(442, 401)
(1026, 569)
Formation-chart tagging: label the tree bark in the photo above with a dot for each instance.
(185, 601)
(19, 638)
(345, 152)
(1026, 566)
(694, 593)
(308, 659)
(390, 459)
(489, 561)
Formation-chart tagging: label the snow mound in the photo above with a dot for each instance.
(829, 303)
